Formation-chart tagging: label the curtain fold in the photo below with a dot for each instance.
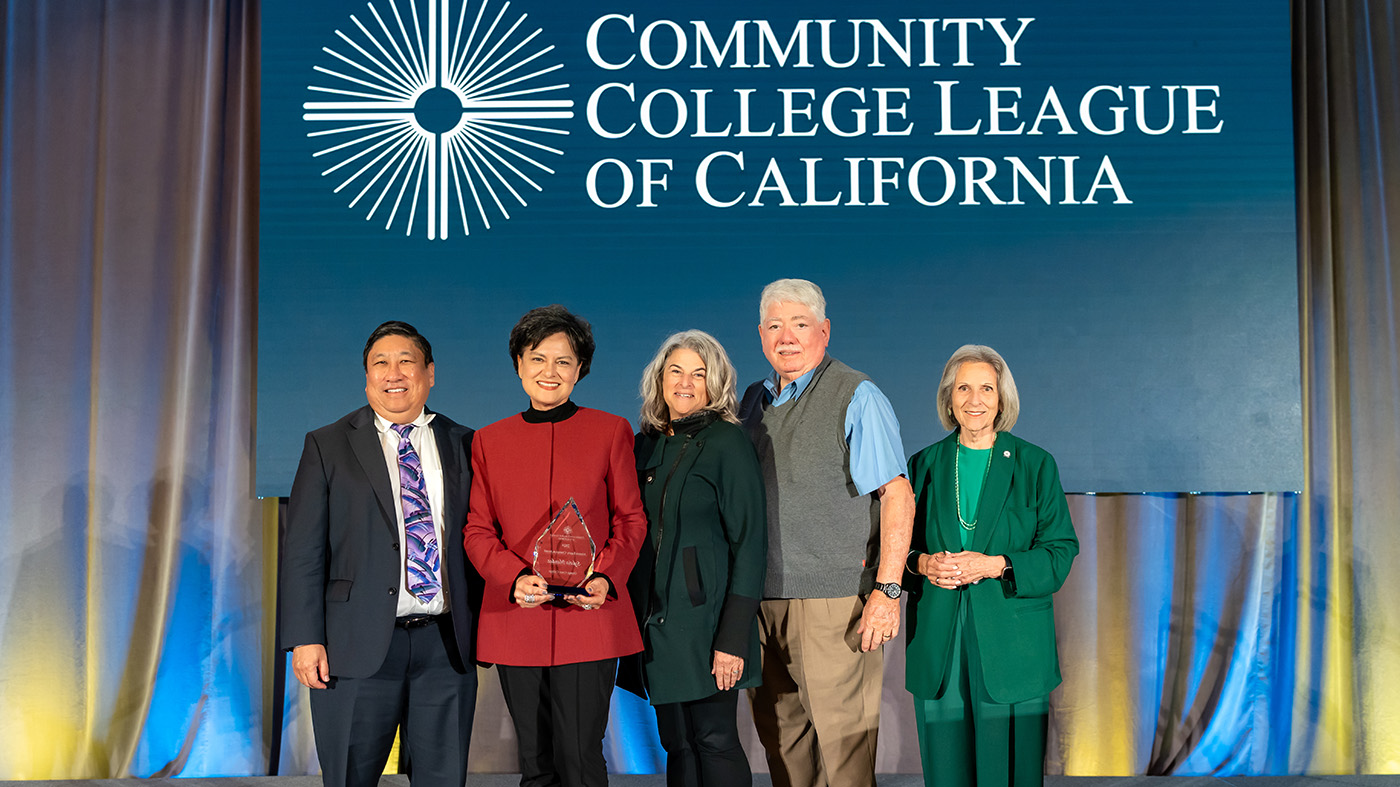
(1347, 99)
(130, 639)
(1168, 636)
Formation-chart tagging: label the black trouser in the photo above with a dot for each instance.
(702, 742)
(422, 684)
(560, 715)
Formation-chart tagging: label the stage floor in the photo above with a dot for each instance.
(762, 780)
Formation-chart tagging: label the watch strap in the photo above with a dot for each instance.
(891, 589)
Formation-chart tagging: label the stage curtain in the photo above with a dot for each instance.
(1260, 634)
(1231, 634)
(1172, 643)
(132, 559)
(1345, 709)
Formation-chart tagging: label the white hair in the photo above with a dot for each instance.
(793, 291)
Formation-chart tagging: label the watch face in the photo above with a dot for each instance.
(891, 589)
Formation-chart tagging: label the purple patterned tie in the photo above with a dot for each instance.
(423, 557)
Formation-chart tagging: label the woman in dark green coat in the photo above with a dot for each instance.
(993, 537)
(699, 578)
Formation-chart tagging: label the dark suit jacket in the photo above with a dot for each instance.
(340, 554)
(1023, 515)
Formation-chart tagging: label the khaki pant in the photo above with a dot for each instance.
(818, 710)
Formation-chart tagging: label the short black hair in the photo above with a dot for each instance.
(543, 322)
(398, 328)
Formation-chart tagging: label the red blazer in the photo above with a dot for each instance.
(522, 474)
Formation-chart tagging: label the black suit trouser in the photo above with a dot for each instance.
(560, 715)
(422, 684)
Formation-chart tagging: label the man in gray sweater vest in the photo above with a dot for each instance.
(840, 513)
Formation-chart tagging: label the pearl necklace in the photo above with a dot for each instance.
(957, 482)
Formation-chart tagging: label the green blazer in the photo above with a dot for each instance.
(1022, 515)
(699, 578)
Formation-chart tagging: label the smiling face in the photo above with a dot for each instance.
(548, 371)
(396, 379)
(794, 341)
(976, 399)
(683, 382)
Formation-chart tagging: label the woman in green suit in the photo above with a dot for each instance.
(993, 538)
(699, 579)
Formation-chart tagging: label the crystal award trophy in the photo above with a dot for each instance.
(564, 552)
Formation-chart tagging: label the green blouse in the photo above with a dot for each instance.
(972, 471)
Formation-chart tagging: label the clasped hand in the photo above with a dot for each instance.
(952, 570)
(531, 591)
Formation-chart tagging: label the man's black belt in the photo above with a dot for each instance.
(416, 621)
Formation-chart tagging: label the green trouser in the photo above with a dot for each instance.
(965, 739)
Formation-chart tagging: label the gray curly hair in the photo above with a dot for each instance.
(720, 380)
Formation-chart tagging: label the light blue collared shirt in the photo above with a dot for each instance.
(872, 431)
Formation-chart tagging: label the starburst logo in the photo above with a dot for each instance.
(438, 124)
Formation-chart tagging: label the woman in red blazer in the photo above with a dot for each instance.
(557, 654)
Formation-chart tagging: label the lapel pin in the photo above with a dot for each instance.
(1006, 454)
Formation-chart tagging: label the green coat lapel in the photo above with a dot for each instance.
(994, 489)
(672, 478)
(660, 474)
(651, 450)
(949, 531)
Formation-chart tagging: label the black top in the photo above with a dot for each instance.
(551, 416)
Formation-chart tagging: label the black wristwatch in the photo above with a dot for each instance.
(1008, 575)
(891, 589)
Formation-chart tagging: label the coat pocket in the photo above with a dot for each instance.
(1033, 606)
(339, 590)
(693, 584)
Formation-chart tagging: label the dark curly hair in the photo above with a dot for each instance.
(543, 322)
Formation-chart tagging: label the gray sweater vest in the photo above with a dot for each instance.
(823, 536)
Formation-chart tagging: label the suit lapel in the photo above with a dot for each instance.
(994, 490)
(364, 441)
(451, 472)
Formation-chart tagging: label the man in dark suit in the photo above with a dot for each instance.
(376, 592)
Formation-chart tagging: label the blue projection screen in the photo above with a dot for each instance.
(1102, 191)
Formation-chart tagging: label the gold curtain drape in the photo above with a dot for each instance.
(1345, 714)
